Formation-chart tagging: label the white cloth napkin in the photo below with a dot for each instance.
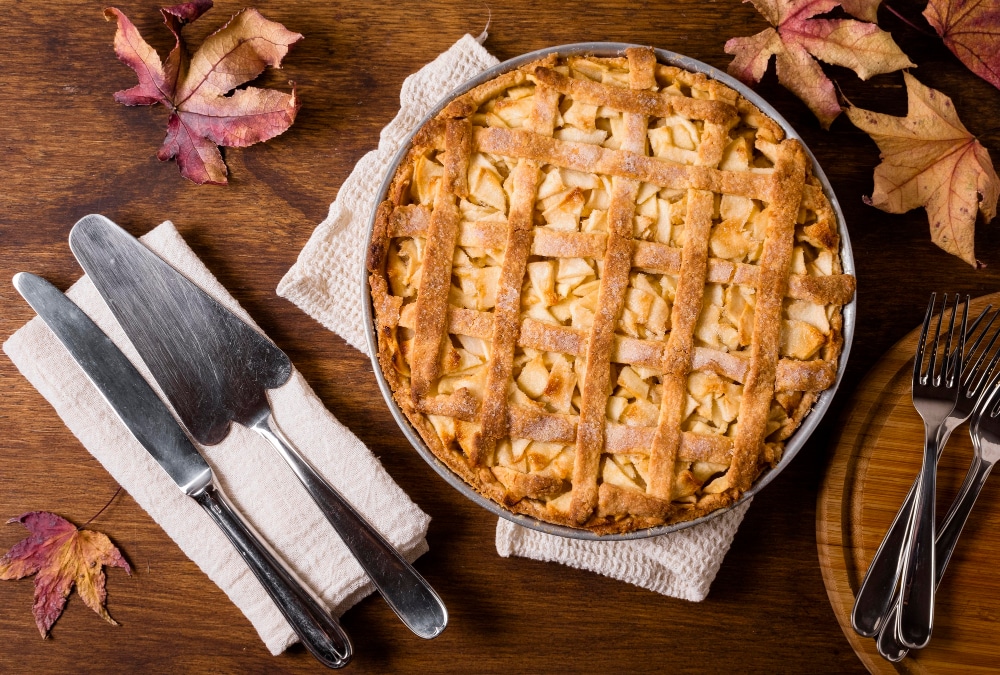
(325, 283)
(261, 485)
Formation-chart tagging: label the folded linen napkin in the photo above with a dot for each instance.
(257, 480)
(324, 283)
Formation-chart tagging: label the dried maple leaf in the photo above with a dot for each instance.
(797, 37)
(60, 555)
(202, 115)
(970, 29)
(866, 10)
(929, 159)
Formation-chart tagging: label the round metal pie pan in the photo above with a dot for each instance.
(792, 445)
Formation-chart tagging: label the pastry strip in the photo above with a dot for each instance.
(610, 298)
(435, 282)
(508, 304)
(758, 389)
(595, 159)
(835, 289)
(679, 351)
(638, 101)
(791, 374)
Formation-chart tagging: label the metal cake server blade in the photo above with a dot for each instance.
(215, 369)
(148, 419)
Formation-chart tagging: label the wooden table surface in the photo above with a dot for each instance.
(66, 149)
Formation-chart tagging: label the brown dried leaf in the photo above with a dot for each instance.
(970, 29)
(866, 10)
(929, 159)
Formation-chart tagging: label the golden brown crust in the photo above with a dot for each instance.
(679, 350)
(508, 302)
(758, 388)
(589, 158)
(606, 291)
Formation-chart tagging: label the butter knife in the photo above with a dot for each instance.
(215, 369)
(148, 419)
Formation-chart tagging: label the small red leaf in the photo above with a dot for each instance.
(197, 157)
(135, 53)
(188, 11)
(61, 555)
(175, 17)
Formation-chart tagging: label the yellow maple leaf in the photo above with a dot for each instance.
(930, 159)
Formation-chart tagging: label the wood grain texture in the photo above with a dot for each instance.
(871, 471)
(66, 149)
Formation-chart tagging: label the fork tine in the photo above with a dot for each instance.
(921, 343)
(958, 356)
(931, 373)
(992, 405)
(948, 360)
(975, 325)
(975, 376)
(970, 366)
(986, 405)
(986, 374)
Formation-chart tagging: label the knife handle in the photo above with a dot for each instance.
(405, 591)
(316, 628)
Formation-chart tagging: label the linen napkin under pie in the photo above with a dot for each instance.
(325, 283)
(248, 469)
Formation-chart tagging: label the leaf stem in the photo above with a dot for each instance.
(910, 23)
(103, 508)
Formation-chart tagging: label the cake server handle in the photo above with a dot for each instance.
(405, 591)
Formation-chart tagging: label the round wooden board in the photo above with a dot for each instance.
(876, 458)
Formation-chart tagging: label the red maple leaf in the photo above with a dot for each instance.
(203, 114)
(61, 555)
(798, 39)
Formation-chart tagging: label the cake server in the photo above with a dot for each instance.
(148, 419)
(216, 369)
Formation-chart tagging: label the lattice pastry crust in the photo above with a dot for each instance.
(606, 290)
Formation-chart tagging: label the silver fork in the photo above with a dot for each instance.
(935, 395)
(985, 432)
(879, 586)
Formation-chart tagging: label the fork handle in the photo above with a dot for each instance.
(955, 522)
(915, 619)
(878, 589)
(888, 644)
(879, 586)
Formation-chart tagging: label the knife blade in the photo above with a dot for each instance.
(214, 368)
(150, 422)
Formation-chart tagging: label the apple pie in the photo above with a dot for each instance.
(606, 290)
